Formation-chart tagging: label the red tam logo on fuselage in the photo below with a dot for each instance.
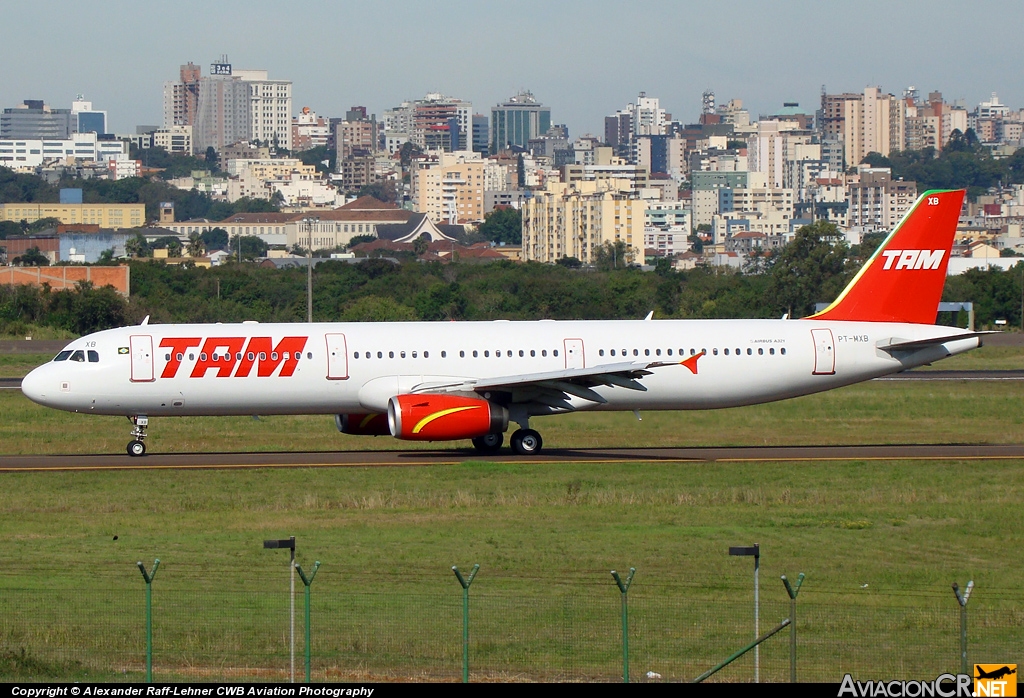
(227, 356)
(912, 259)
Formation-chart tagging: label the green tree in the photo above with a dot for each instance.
(31, 258)
(215, 239)
(357, 239)
(810, 269)
(408, 152)
(322, 157)
(377, 309)
(136, 246)
(569, 262)
(503, 225)
(382, 191)
(613, 255)
(420, 245)
(251, 246)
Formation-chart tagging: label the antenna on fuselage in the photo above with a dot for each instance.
(145, 321)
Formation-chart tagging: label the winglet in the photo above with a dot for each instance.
(691, 363)
(903, 279)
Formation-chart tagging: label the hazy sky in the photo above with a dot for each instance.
(583, 59)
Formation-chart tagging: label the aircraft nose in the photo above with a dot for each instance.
(37, 385)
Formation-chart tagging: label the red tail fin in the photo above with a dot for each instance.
(903, 280)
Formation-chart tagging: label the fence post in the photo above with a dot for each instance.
(962, 600)
(308, 581)
(624, 591)
(792, 626)
(148, 576)
(465, 582)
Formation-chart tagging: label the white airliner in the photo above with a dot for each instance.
(445, 381)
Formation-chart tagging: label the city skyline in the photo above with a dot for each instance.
(565, 55)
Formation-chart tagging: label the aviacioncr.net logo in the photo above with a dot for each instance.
(944, 686)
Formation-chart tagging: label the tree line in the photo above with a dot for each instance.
(812, 269)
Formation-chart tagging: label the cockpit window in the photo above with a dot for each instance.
(63, 356)
(78, 356)
(94, 356)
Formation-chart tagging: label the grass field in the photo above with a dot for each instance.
(545, 537)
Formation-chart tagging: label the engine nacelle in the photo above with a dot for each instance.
(444, 417)
(363, 424)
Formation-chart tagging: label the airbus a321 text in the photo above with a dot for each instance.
(470, 380)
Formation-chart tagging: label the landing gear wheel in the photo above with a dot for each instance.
(526, 442)
(489, 443)
(136, 448)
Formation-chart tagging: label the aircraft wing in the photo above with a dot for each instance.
(554, 388)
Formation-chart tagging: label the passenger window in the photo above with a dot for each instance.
(669, 352)
(401, 354)
(715, 351)
(647, 352)
(613, 352)
(273, 356)
(600, 352)
(726, 351)
(238, 356)
(202, 356)
(760, 351)
(636, 353)
(657, 352)
(522, 353)
(380, 355)
(250, 356)
(782, 351)
(554, 353)
(263, 356)
(749, 351)
(475, 354)
(771, 351)
(414, 355)
(179, 356)
(391, 354)
(462, 353)
(533, 352)
(167, 357)
(543, 352)
(356, 355)
(94, 357)
(509, 353)
(63, 356)
(738, 352)
(191, 357)
(309, 355)
(487, 353)
(426, 354)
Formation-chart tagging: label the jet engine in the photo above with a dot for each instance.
(363, 424)
(444, 417)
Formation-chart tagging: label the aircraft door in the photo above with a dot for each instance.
(574, 353)
(337, 357)
(141, 348)
(824, 352)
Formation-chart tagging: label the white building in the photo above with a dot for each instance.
(19, 153)
(270, 108)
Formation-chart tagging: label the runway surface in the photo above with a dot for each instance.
(746, 454)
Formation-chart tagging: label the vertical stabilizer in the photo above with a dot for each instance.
(903, 280)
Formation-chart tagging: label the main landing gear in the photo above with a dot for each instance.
(136, 447)
(524, 442)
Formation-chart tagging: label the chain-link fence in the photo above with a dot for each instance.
(564, 634)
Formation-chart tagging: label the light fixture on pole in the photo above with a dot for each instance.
(310, 222)
(754, 551)
(288, 543)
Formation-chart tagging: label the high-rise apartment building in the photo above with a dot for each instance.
(451, 188)
(181, 97)
(515, 122)
(435, 122)
(871, 122)
(645, 117)
(576, 220)
(229, 106)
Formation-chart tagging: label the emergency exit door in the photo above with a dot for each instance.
(337, 357)
(141, 348)
(824, 352)
(574, 353)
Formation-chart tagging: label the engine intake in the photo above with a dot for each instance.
(444, 417)
(373, 424)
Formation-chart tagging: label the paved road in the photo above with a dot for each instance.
(225, 461)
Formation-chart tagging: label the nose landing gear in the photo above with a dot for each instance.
(136, 447)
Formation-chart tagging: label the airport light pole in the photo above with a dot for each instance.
(962, 600)
(755, 552)
(288, 543)
(310, 222)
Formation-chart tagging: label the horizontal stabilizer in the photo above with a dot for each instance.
(894, 344)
